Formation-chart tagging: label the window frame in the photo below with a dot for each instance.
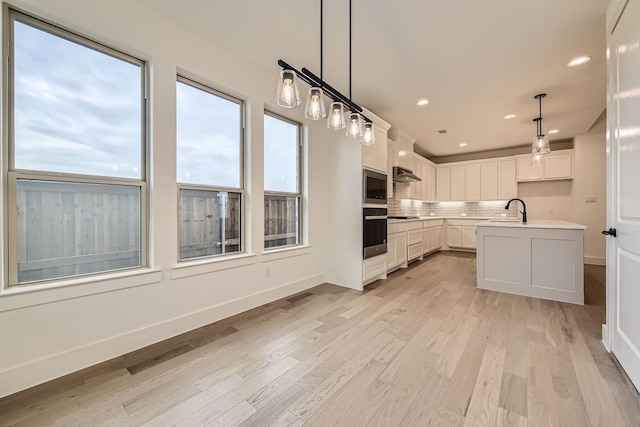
(11, 175)
(180, 78)
(300, 184)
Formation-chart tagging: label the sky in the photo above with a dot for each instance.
(78, 111)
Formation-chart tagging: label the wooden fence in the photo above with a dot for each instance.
(67, 229)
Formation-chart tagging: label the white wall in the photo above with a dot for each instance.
(47, 333)
(564, 200)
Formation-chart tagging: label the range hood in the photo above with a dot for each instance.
(401, 174)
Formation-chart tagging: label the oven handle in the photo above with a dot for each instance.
(376, 217)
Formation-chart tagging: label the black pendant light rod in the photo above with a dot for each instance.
(349, 50)
(539, 118)
(321, 44)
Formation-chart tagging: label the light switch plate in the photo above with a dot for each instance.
(591, 199)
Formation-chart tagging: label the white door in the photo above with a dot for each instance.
(623, 210)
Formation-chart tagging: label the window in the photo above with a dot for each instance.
(209, 168)
(76, 175)
(282, 182)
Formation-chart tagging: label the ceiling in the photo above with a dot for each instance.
(476, 61)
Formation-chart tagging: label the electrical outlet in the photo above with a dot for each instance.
(591, 199)
(463, 214)
(267, 272)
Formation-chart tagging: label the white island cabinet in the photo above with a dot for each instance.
(542, 259)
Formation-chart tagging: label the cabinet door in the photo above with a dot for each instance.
(472, 182)
(426, 182)
(416, 186)
(469, 237)
(390, 149)
(443, 184)
(458, 183)
(431, 195)
(439, 240)
(558, 166)
(454, 236)
(426, 243)
(526, 172)
(392, 242)
(401, 248)
(489, 181)
(374, 156)
(507, 184)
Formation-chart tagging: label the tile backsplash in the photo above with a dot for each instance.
(451, 209)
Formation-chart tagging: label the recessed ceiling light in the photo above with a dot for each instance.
(462, 144)
(510, 116)
(579, 60)
(443, 131)
(422, 102)
(552, 131)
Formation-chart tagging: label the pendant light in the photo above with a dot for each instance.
(288, 95)
(336, 116)
(314, 108)
(368, 134)
(540, 145)
(354, 130)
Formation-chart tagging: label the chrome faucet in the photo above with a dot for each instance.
(523, 211)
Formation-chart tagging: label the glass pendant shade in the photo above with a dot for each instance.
(540, 145)
(368, 134)
(354, 127)
(336, 116)
(537, 160)
(288, 95)
(314, 108)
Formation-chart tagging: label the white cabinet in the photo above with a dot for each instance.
(469, 236)
(472, 182)
(404, 150)
(507, 184)
(461, 234)
(489, 181)
(431, 235)
(458, 182)
(374, 268)
(443, 183)
(431, 179)
(557, 165)
(374, 156)
(396, 247)
(390, 154)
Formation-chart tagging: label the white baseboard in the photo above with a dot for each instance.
(595, 260)
(34, 372)
(605, 337)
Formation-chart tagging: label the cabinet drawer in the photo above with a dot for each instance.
(414, 251)
(374, 267)
(414, 236)
(392, 228)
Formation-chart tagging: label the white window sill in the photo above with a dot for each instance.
(210, 265)
(22, 296)
(288, 252)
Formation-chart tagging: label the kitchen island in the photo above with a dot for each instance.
(542, 259)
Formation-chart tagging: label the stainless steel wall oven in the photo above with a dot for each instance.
(374, 232)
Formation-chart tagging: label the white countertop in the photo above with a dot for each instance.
(427, 218)
(534, 223)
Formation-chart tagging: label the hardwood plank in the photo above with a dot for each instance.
(513, 394)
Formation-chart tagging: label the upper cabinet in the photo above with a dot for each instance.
(477, 180)
(374, 156)
(557, 165)
(443, 183)
(390, 153)
(404, 150)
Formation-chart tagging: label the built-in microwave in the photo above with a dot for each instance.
(375, 187)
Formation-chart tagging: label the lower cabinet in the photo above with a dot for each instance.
(431, 235)
(374, 268)
(461, 234)
(396, 247)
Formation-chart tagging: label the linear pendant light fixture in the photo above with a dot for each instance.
(359, 126)
(540, 145)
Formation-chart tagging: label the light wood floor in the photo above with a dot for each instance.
(423, 348)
